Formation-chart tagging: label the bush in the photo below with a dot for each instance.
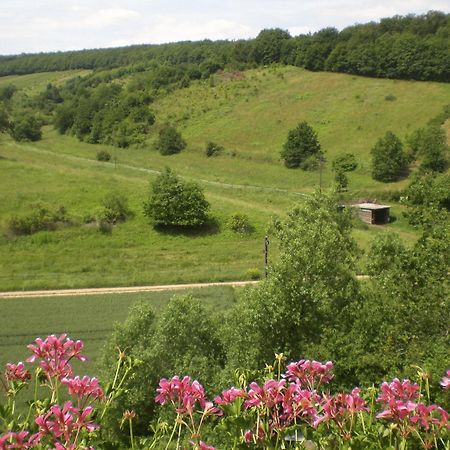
(115, 209)
(301, 148)
(26, 128)
(173, 202)
(170, 141)
(103, 155)
(40, 217)
(389, 162)
(213, 149)
(345, 163)
(253, 273)
(240, 223)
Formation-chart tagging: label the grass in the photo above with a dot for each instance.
(90, 318)
(250, 118)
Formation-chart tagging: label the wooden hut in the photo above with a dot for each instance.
(373, 213)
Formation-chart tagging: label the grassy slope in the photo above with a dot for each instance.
(89, 318)
(250, 118)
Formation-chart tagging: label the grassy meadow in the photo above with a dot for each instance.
(90, 318)
(249, 115)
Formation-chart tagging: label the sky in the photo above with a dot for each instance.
(29, 26)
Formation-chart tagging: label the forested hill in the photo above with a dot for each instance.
(404, 47)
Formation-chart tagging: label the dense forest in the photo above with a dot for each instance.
(404, 47)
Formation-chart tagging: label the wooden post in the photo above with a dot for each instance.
(266, 255)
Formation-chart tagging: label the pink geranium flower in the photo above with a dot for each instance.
(12, 440)
(17, 372)
(84, 387)
(309, 374)
(55, 353)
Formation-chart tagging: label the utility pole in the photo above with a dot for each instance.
(266, 255)
(320, 178)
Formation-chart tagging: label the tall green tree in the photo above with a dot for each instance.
(301, 146)
(268, 45)
(309, 295)
(389, 161)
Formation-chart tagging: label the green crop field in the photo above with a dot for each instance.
(250, 116)
(90, 318)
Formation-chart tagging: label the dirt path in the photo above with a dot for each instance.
(117, 290)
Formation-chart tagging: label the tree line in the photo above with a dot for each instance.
(404, 47)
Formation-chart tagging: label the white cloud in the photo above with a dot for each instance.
(169, 29)
(109, 17)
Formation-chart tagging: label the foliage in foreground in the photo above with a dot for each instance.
(291, 407)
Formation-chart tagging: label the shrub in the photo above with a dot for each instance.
(173, 202)
(389, 162)
(345, 162)
(253, 273)
(170, 141)
(40, 217)
(240, 223)
(115, 209)
(390, 98)
(341, 181)
(213, 149)
(103, 155)
(300, 146)
(26, 128)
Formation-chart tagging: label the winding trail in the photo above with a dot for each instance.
(158, 172)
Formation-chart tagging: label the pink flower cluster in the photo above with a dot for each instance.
(12, 440)
(399, 399)
(84, 387)
(184, 395)
(63, 425)
(309, 374)
(55, 354)
(17, 372)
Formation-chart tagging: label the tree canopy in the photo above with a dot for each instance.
(173, 202)
(389, 162)
(301, 147)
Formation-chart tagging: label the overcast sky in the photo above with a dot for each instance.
(50, 25)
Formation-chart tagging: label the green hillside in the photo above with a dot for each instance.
(249, 113)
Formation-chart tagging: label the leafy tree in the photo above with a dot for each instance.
(64, 117)
(170, 141)
(428, 199)
(430, 144)
(26, 127)
(267, 47)
(389, 162)
(176, 203)
(403, 321)
(183, 340)
(301, 145)
(309, 295)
